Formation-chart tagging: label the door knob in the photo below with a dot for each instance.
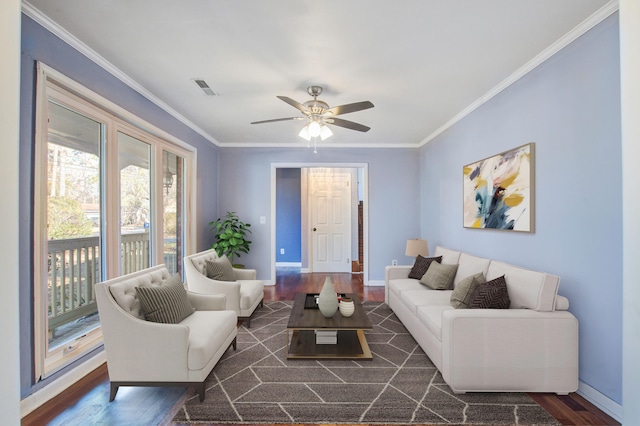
(314, 229)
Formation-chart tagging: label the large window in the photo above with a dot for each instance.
(110, 199)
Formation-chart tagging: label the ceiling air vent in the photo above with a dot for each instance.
(205, 87)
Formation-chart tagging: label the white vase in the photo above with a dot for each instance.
(328, 299)
(347, 307)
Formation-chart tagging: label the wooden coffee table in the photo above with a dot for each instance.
(303, 324)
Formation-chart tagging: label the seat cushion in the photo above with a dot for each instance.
(399, 285)
(250, 292)
(208, 331)
(431, 317)
(413, 299)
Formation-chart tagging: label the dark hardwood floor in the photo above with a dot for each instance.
(87, 402)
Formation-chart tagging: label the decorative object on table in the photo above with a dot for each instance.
(417, 247)
(498, 191)
(347, 307)
(328, 300)
(231, 237)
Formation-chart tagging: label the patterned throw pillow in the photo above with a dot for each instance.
(166, 303)
(491, 295)
(421, 266)
(461, 295)
(439, 276)
(220, 269)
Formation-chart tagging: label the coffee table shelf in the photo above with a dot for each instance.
(351, 340)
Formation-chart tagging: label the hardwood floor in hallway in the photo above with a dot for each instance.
(87, 402)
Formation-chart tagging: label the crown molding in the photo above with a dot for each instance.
(593, 20)
(93, 56)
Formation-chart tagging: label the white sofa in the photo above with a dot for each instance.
(530, 347)
(145, 353)
(243, 295)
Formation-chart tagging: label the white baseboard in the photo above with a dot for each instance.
(62, 383)
(289, 264)
(601, 401)
(375, 283)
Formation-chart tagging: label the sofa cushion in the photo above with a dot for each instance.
(448, 256)
(165, 303)
(439, 276)
(421, 265)
(462, 293)
(400, 285)
(413, 299)
(491, 295)
(431, 317)
(527, 289)
(470, 265)
(220, 269)
(207, 333)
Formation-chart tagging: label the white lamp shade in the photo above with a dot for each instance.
(314, 129)
(417, 247)
(304, 133)
(325, 132)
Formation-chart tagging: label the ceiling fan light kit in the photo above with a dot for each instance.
(318, 115)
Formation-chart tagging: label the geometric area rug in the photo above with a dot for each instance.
(257, 384)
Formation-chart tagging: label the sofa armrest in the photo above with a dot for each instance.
(207, 302)
(510, 349)
(396, 272)
(245, 274)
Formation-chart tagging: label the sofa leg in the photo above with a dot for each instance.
(234, 343)
(201, 389)
(113, 391)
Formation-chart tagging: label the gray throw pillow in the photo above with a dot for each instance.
(439, 276)
(461, 295)
(421, 265)
(166, 303)
(220, 269)
(491, 295)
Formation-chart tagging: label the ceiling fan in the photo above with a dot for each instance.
(318, 114)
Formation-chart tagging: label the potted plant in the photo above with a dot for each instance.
(231, 236)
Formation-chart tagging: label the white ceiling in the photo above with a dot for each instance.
(421, 62)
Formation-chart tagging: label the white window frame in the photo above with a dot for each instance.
(54, 85)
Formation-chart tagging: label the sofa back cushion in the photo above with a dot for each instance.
(470, 265)
(527, 289)
(124, 289)
(450, 257)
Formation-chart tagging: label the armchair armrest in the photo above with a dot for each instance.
(199, 283)
(207, 302)
(245, 274)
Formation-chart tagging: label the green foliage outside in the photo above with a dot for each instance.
(231, 236)
(66, 219)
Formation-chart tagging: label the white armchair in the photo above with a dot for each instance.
(242, 295)
(145, 353)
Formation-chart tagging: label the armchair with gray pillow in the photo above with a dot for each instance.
(208, 273)
(156, 333)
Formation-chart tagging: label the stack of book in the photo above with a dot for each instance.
(326, 337)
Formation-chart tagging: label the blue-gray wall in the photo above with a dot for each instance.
(38, 44)
(288, 215)
(570, 107)
(394, 206)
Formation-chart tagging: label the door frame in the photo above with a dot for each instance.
(365, 212)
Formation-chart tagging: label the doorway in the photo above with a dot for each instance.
(355, 254)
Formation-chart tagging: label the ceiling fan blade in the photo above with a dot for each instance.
(345, 109)
(279, 119)
(295, 104)
(347, 124)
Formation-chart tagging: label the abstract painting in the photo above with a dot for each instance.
(498, 191)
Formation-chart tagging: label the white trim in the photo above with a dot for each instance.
(289, 264)
(36, 399)
(375, 283)
(593, 20)
(93, 56)
(601, 401)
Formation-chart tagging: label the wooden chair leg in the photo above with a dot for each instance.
(235, 343)
(113, 391)
(201, 390)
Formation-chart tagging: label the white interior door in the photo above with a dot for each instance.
(330, 214)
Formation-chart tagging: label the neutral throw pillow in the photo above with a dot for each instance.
(439, 276)
(461, 295)
(220, 269)
(166, 303)
(491, 295)
(421, 265)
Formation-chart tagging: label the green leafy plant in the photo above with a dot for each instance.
(231, 236)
